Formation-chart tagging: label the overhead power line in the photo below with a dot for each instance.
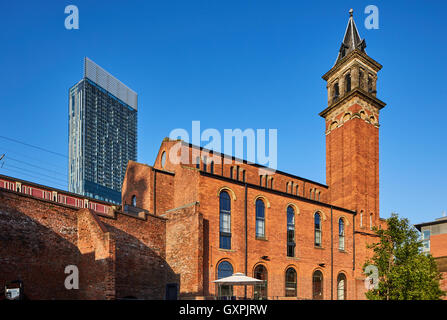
(38, 167)
(33, 146)
(59, 180)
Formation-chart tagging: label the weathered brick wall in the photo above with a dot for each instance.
(141, 269)
(97, 257)
(37, 242)
(119, 256)
(138, 181)
(184, 249)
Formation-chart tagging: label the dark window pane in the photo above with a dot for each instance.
(291, 285)
(317, 285)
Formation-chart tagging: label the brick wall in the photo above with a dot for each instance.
(118, 256)
(184, 249)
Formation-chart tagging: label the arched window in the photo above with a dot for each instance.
(317, 285)
(336, 92)
(266, 181)
(291, 283)
(371, 221)
(310, 194)
(243, 175)
(341, 234)
(134, 201)
(287, 187)
(348, 82)
(290, 232)
(317, 227)
(225, 220)
(225, 269)
(361, 78)
(319, 194)
(260, 290)
(212, 167)
(198, 162)
(163, 159)
(370, 84)
(341, 287)
(205, 160)
(296, 192)
(271, 183)
(237, 173)
(260, 219)
(260, 180)
(231, 172)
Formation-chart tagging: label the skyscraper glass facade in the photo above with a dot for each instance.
(102, 134)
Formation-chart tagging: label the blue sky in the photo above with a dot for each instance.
(230, 64)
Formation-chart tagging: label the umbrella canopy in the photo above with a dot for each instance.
(238, 279)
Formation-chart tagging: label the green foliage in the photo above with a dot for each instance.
(405, 273)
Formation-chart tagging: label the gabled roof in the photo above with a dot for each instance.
(351, 40)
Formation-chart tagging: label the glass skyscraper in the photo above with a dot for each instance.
(102, 134)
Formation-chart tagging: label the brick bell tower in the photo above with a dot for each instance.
(352, 129)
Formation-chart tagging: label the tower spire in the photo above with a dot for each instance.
(351, 40)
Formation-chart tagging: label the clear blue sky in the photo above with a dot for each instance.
(231, 64)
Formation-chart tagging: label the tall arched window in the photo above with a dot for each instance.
(371, 221)
(205, 160)
(291, 283)
(260, 180)
(341, 287)
(237, 173)
(260, 290)
(198, 162)
(287, 187)
(341, 234)
(271, 183)
(212, 167)
(317, 227)
(370, 84)
(243, 175)
(290, 232)
(361, 78)
(134, 201)
(225, 269)
(336, 92)
(231, 172)
(225, 220)
(260, 219)
(296, 192)
(317, 285)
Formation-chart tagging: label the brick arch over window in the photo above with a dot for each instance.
(263, 198)
(333, 125)
(345, 220)
(229, 260)
(294, 206)
(321, 212)
(347, 116)
(233, 195)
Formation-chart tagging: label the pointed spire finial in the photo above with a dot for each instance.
(351, 12)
